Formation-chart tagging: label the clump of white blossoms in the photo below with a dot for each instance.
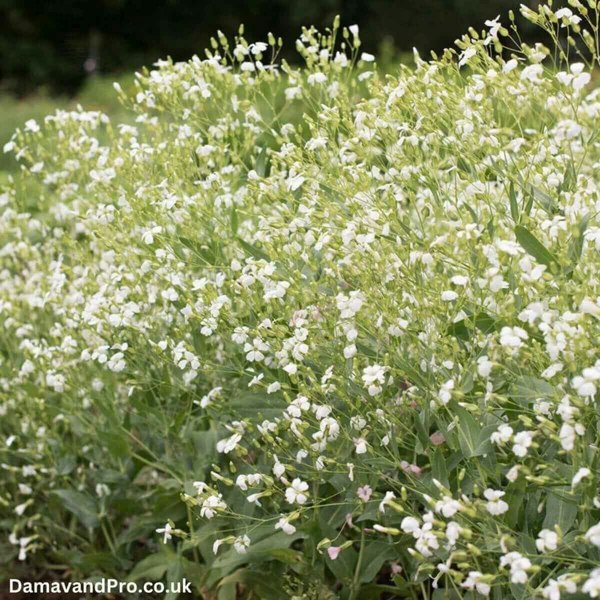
(352, 321)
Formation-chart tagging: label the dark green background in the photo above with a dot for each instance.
(45, 43)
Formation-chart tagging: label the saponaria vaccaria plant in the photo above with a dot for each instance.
(311, 331)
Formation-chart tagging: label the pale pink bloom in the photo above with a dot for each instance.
(364, 492)
(437, 438)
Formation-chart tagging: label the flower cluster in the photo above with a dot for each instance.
(355, 315)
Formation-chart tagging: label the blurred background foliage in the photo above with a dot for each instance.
(55, 44)
(60, 53)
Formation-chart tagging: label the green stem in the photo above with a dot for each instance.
(107, 538)
(191, 528)
(356, 579)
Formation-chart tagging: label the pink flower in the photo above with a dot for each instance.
(364, 493)
(334, 552)
(437, 438)
(410, 469)
(396, 568)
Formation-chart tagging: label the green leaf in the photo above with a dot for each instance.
(234, 220)
(514, 207)
(533, 246)
(422, 433)
(514, 498)
(561, 509)
(81, 505)
(375, 555)
(474, 439)
(462, 329)
(544, 200)
(228, 591)
(264, 550)
(252, 250)
(255, 581)
(195, 572)
(529, 205)
(519, 591)
(174, 578)
(153, 567)
(344, 565)
(450, 594)
(66, 464)
(576, 243)
(261, 165)
(438, 467)
(115, 442)
(528, 389)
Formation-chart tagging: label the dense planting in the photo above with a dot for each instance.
(311, 333)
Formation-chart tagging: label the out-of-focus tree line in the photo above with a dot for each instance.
(54, 43)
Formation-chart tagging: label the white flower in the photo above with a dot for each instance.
(555, 587)
(278, 468)
(593, 535)
(211, 505)
(589, 307)
(552, 370)
(360, 445)
(484, 366)
(474, 582)
(350, 351)
(567, 437)
(227, 445)
(285, 526)
(502, 435)
(389, 497)
(453, 533)
(21, 508)
(495, 506)
(166, 531)
(547, 541)
(513, 473)
(522, 442)
(241, 544)
(351, 304)
(22, 543)
(581, 474)
(563, 12)
(449, 295)
(373, 378)
(518, 566)
(584, 384)
(592, 584)
(410, 525)
(296, 492)
(31, 125)
(512, 337)
(494, 26)
(567, 17)
(445, 392)
(448, 506)
(466, 55)
(532, 73)
(367, 57)
(317, 78)
(580, 80)
(148, 235)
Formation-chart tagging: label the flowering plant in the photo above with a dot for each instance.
(311, 324)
